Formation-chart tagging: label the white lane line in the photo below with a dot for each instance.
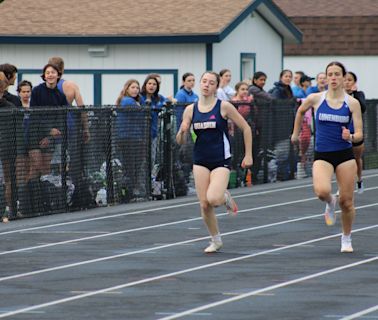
(165, 208)
(164, 246)
(149, 210)
(206, 314)
(176, 273)
(110, 234)
(361, 313)
(266, 289)
(68, 232)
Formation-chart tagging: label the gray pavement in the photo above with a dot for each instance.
(146, 261)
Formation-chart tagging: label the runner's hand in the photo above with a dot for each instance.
(247, 162)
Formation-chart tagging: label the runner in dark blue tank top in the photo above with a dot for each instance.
(334, 109)
(211, 129)
(212, 152)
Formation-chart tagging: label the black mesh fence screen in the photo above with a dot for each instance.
(370, 117)
(48, 166)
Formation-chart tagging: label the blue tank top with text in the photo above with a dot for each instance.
(329, 122)
(212, 144)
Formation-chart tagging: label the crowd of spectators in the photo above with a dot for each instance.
(31, 158)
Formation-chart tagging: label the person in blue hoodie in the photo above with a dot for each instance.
(132, 131)
(185, 96)
(321, 84)
(305, 83)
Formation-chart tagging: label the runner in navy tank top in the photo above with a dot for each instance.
(334, 109)
(212, 145)
(212, 152)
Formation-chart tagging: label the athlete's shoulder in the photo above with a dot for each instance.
(316, 95)
(352, 102)
(70, 85)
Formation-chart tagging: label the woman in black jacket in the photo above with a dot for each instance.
(358, 147)
(257, 87)
(282, 89)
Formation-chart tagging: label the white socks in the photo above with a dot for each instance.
(217, 238)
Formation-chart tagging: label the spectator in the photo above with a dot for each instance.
(242, 95)
(185, 96)
(225, 92)
(45, 129)
(246, 110)
(158, 78)
(10, 72)
(150, 95)
(296, 87)
(24, 90)
(131, 136)
(350, 85)
(321, 84)
(72, 92)
(257, 87)
(6, 151)
(282, 89)
(77, 133)
(305, 83)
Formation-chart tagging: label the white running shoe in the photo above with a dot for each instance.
(337, 193)
(230, 204)
(330, 214)
(346, 244)
(360, 187)
(214, 246)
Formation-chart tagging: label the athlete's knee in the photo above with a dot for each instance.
(322, 193)
(215, 200)
(346, 203)
(205, 206)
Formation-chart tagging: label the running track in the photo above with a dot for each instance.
(146, 261)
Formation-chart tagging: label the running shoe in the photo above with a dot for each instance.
(4, 219)
(214, 246)
(346, 244)
(330, 214)
(360, 187)
(230, 204)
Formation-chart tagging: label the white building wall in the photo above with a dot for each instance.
(253, 35)
(365, 67)
(181, 57)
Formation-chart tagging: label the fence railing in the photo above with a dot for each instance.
(124, 161)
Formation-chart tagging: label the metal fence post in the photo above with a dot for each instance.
(109, 116)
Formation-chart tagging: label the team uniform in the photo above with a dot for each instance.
(329, 144)
(212, 150)
(212, 147)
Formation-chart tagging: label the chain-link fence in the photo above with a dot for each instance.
(48, 166)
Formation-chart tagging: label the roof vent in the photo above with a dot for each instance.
(98, 51)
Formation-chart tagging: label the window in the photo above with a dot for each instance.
(247, 65)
